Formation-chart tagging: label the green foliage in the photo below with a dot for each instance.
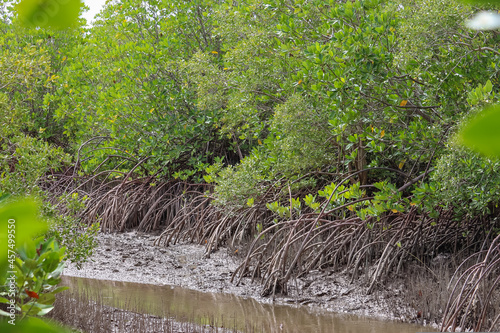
(251, 96)
(427, 198)
(430, 31)
(297, 125)
(24, 71)
(246, 77)
(468, 182)
(29, 136)
(375, 92)
(353, 198)
(310, 202)
(127, 82)
(28, 60)
(23, 160)
(30, 63)
(481, 94)
(279, 89)
(301, 134)
(282, 211)
(30, 269)
(80, 240)
(38, 266)
(235, 185)
(480, 132)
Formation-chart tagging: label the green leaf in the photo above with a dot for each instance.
(53, 281)
(26, 251)
(488, 87)
(48, 299)
(31, 308)
(57, 272)
(51, 262)
(44, 311)
(30, 264)
(482, 132)
(59, 289)
(49, 13)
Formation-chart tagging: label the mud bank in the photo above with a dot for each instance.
(132, 257)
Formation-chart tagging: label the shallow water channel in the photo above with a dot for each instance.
(229, 310)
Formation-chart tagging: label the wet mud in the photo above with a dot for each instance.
(132, 257)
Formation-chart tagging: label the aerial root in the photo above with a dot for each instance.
(476, 292)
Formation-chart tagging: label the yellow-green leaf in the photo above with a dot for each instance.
(49, 13)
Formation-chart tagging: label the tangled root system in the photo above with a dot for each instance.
(276, 250)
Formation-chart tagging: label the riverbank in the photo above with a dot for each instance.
(132, 257)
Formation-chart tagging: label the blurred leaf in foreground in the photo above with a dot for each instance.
(24, 220)
(32, 325)
(57, 14)
(482, 132)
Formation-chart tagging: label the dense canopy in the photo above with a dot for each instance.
(293, 126)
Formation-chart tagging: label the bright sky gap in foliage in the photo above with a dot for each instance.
(95, 7)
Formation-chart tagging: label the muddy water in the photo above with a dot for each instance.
(229, 310)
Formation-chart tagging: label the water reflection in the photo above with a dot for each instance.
(233, 311)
